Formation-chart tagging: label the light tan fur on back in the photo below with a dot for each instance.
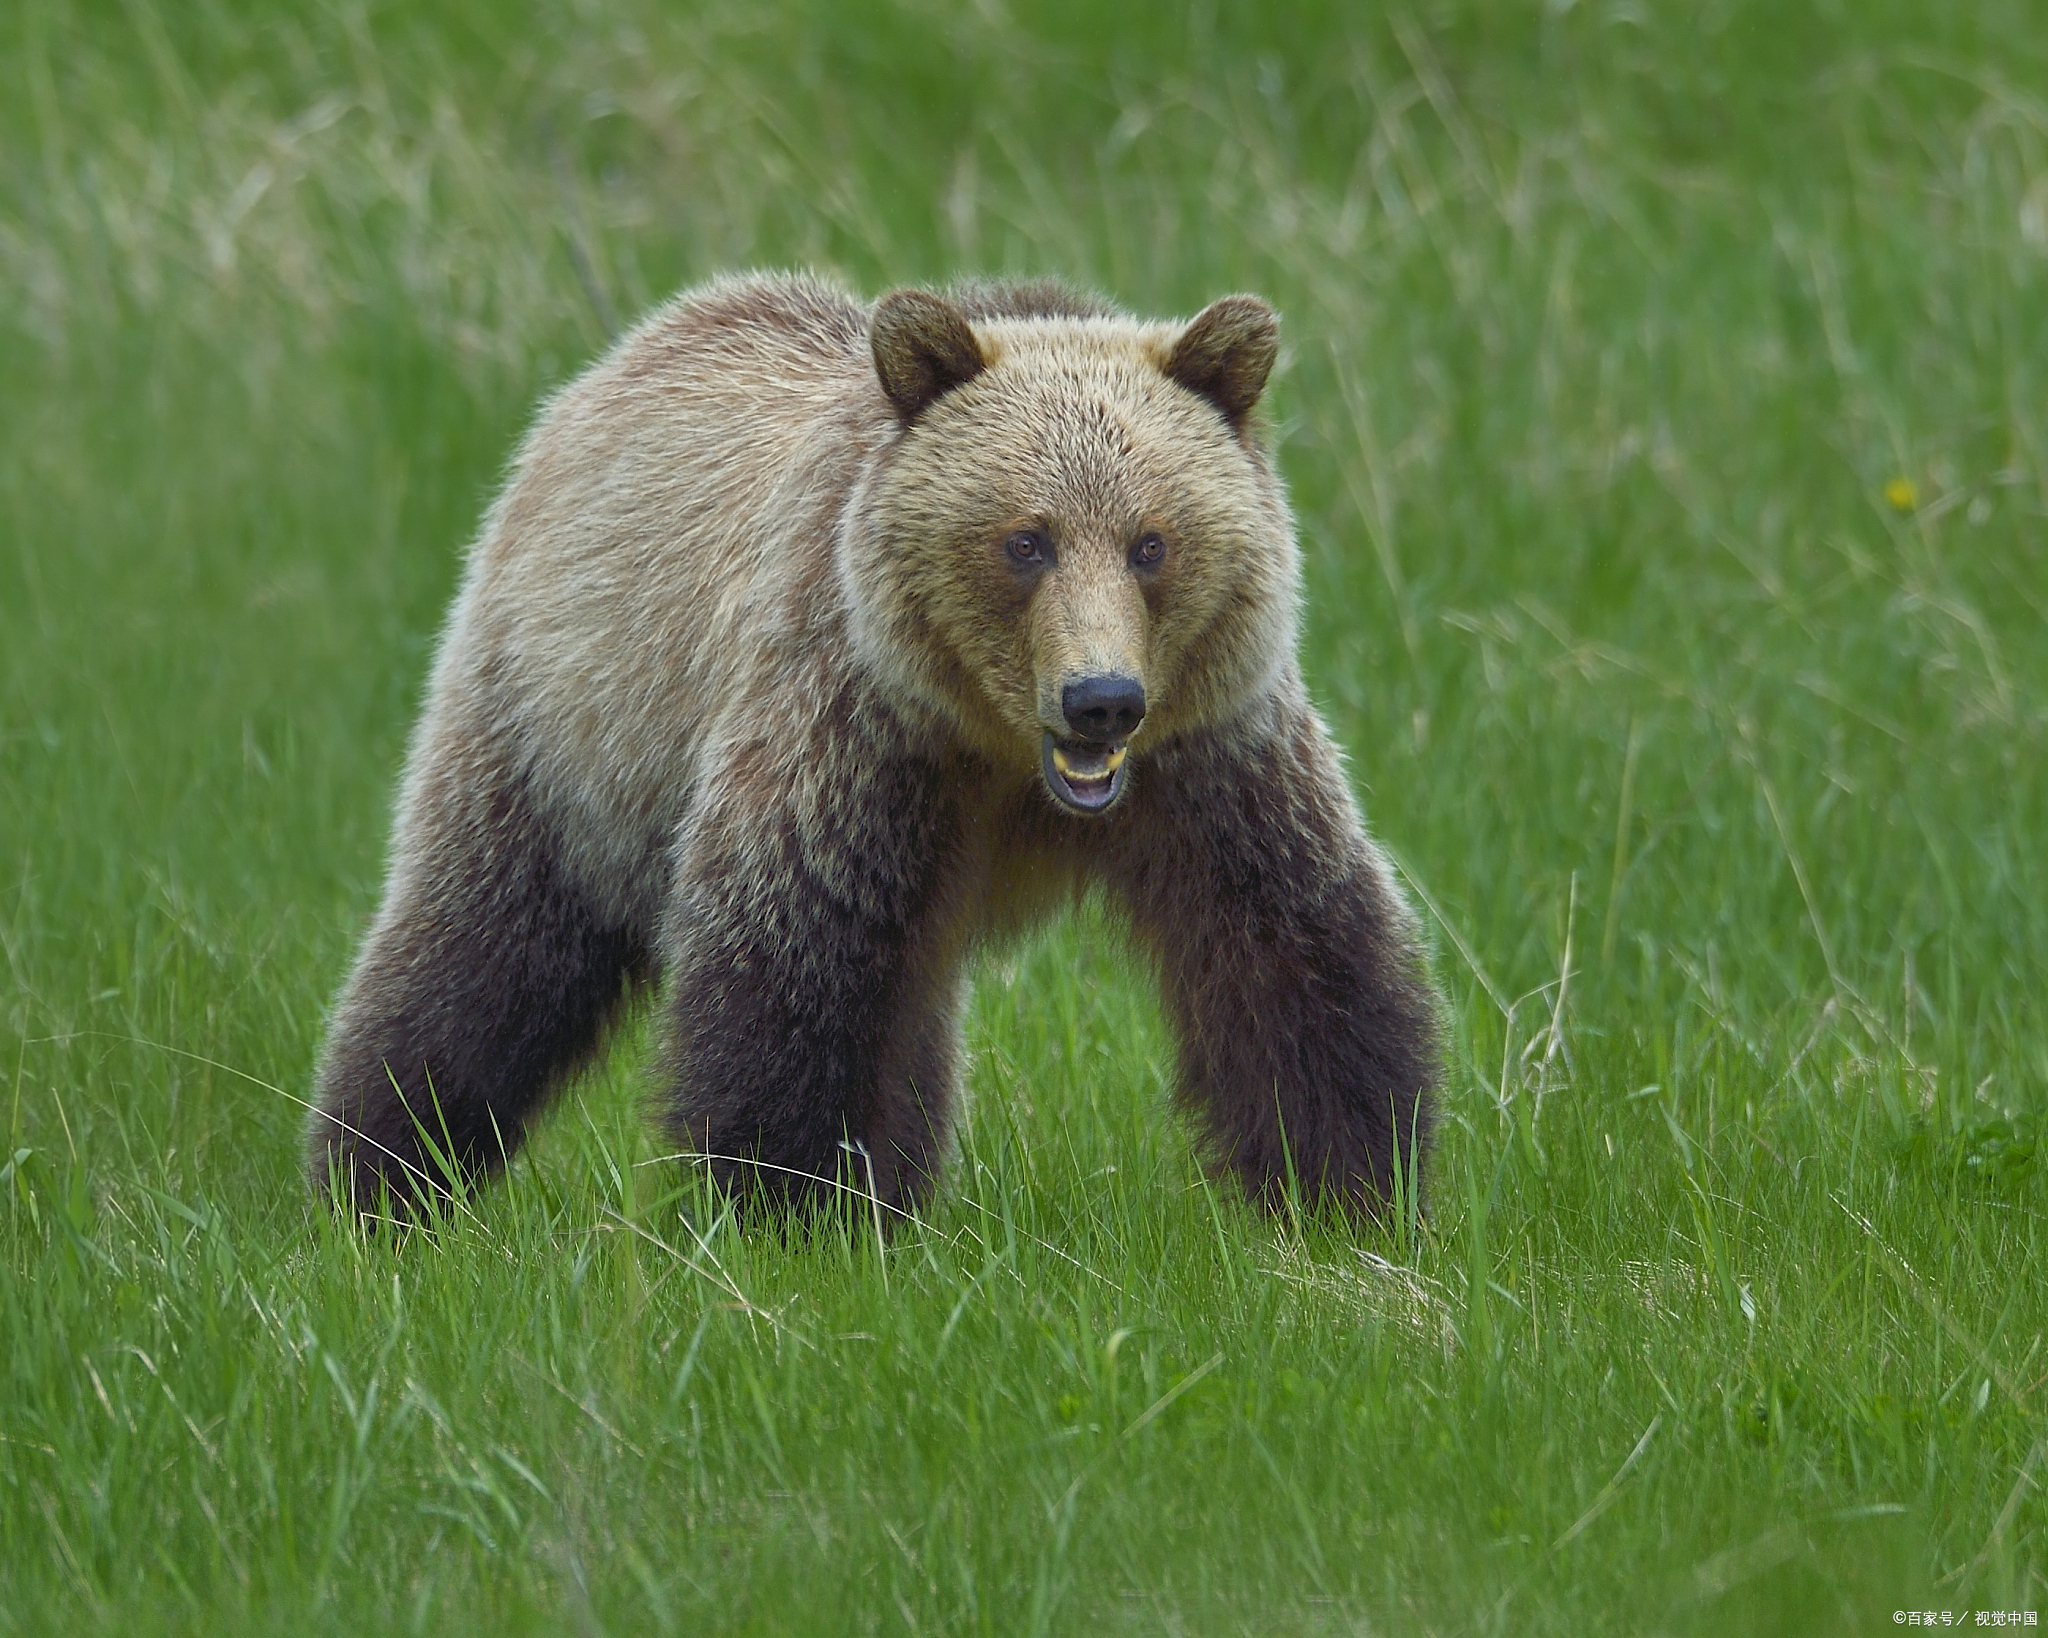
(659, 553)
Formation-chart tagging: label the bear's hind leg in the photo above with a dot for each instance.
(486, 979)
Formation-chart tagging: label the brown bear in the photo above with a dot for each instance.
(811, 645)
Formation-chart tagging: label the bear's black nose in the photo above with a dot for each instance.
(1103, 708)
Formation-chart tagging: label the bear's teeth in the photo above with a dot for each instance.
(1111, 761)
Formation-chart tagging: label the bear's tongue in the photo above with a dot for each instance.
(1083, 776)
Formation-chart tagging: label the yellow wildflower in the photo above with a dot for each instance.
(1903, 494)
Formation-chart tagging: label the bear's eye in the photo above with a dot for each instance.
(1149, 549)
(1028, 546)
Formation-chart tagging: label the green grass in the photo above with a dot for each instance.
(1723, 772)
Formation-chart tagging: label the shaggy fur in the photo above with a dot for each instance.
(759, 682)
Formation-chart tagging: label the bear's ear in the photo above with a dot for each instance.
(923, 347)
(1226, 353)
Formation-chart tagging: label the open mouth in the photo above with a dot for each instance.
(1083, 776)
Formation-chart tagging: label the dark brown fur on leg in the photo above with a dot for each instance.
(485, 981)
(1308, 1037)
(815, 985)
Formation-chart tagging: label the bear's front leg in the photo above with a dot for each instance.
(1290, 968)
(816, 953)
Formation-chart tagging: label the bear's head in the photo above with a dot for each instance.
(1071, 546)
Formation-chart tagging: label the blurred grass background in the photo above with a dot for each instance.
(1662, 403)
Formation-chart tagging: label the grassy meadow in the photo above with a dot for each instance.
(1665, 404)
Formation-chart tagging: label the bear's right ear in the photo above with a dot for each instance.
(923, 347)
(1226, 353)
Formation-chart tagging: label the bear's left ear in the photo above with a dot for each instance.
(923, 347)
(1226, 353)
